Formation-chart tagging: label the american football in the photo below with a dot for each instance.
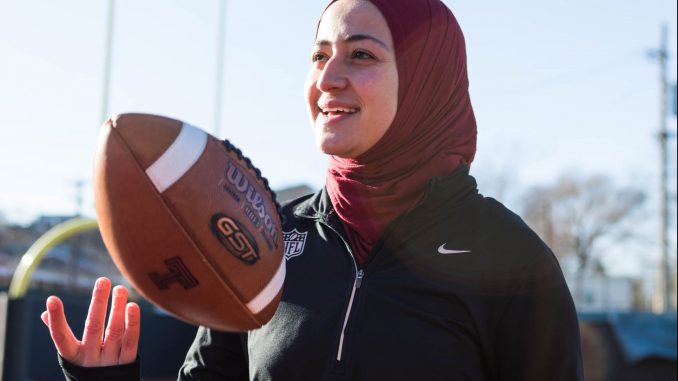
(189, 221)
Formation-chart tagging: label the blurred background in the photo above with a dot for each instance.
(576, 109)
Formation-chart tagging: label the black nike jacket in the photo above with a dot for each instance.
(458, 288)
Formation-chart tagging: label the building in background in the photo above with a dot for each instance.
(604, 293)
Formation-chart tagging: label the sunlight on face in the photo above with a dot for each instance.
(352, 87)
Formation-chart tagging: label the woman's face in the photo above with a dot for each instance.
(352, 87)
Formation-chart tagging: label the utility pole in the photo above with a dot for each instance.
(107, 61)
(75, 246)
(662, 56)
(78, 197)
(221, 41)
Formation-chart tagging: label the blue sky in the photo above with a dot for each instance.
(557, 86)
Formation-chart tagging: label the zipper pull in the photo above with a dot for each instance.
(359, 278)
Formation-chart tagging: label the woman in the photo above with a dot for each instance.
(407, 272)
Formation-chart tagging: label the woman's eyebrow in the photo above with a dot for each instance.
(354, 38)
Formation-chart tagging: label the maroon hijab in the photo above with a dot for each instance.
(433, 133)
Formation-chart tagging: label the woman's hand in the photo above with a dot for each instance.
(116, 346)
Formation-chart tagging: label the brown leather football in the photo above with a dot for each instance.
(189, 222)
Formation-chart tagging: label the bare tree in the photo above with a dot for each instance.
(575, 215)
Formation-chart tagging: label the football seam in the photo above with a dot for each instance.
(260, 178)
(246, 165)
(171, 211)
(207, 259)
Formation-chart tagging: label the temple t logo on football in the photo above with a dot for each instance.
(178, 272)
(235, 238)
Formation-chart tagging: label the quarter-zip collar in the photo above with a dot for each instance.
(317, 207)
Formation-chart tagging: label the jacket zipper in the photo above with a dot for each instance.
(356, 285)
(359, 275)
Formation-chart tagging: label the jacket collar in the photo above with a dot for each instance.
(317, 206)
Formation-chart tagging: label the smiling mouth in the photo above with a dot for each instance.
(337, 111)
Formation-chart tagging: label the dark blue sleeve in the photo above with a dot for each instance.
(215, 356)
(538, 334)
(127, 372)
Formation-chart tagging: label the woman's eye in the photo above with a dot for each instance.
(315, 57)
(362, 55)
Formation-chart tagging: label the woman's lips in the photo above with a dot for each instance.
(335, 116)
(336, 113)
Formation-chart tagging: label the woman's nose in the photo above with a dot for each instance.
(332, 76)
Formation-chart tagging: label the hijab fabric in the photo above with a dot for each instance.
(432, 134)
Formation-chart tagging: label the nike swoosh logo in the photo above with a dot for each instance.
(443, 250)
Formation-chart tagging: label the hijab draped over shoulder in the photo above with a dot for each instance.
(432, 134)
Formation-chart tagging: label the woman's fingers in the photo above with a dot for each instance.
(64, 340)
(116, 327)
(130, 339)
(117, 345)
(44, 316)
(92, 337)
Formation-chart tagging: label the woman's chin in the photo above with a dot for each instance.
(337, 150)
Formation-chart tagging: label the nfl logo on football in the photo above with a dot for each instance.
(294, 243)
